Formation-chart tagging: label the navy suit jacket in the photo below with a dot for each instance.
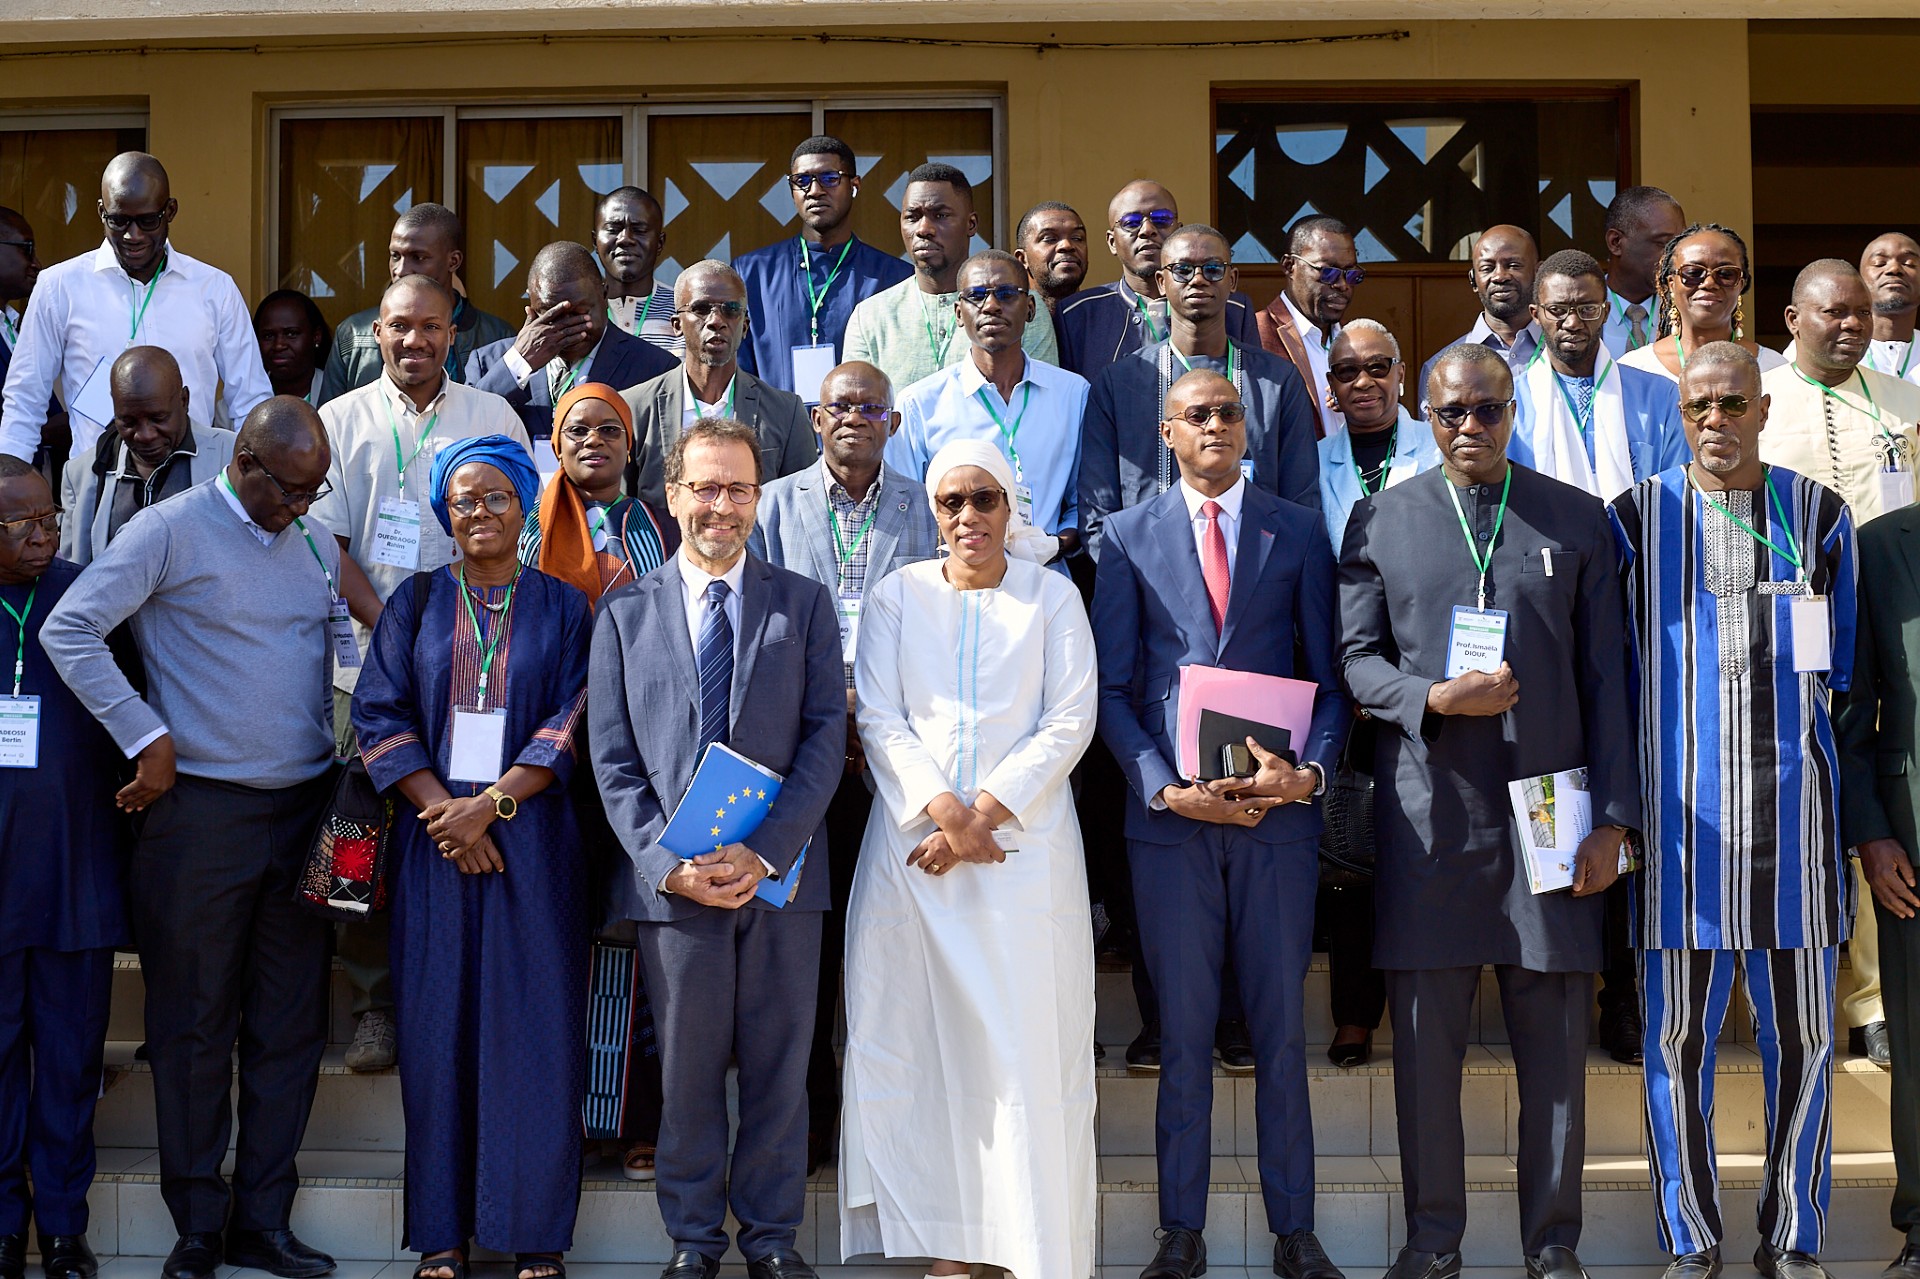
(622, 361)
(1098, 326)
(788, 712)
(778, 306)
(1151, 617)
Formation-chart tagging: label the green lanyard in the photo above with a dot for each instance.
(140, 313)
(565, 384)
(1386, 467)
(817, 300)
(1627, 320)
(1789, 552)
(639, 321)
(842, 553)
(1483, 563)
(986, 402)
(488, 646)
(1233, 360)
(1146, 319)
(1873, 410)
(731, 384)
(1905, 360)
(20, 649)
(332, 593)
(936, 343)
(13, 334)
(1583, 424)
(426, 433)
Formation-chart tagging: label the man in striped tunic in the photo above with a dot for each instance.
(1741, 586)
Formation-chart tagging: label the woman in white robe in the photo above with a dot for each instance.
(968, 1129)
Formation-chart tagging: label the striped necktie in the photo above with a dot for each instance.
(714, 658)
(1637, 318)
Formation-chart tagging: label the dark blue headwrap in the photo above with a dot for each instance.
(507, 456)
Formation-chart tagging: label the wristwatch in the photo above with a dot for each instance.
(505, 806)
(1320, 785)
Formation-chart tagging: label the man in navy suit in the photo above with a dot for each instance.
(1217, 572)
(716, 645)
(565, 341)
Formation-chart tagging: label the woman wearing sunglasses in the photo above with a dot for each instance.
(465, 714)
(969, 943)
(1697, 289)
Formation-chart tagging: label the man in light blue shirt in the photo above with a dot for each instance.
(1640, 221)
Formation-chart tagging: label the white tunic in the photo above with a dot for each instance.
(968, 1129)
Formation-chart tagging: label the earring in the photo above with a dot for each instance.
(1739, 321)
(1673, 318)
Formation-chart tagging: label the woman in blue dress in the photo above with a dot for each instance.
(466, 714)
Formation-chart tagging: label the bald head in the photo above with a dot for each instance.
(136, 208)
(144, 366)
(281, 427)
(1198, 385)
(1141, 191)
(1139, 219)
(559, 263)
(1831, 320)
(706, 268)
(279, 461)
(134, 171)
(149, 405)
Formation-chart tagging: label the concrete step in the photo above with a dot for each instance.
(129, 1267)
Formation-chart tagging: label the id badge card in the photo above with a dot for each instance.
(1812, 638)
(849, 611)
(811, 364)
(1896, 489)
(396, 533)
(346, 649)
(479, 746)
(19, 732)
(1246, 469)
(1023, 499)
(94, 399)
(1477, 642)
(1005, 840)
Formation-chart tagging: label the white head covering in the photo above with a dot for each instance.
(1023, 540)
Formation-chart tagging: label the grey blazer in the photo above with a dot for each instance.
(788, 712)
(787, 441)
(792, 528)
(83, 533)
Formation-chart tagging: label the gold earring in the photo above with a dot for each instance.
(1673, 318)
(1739, 321)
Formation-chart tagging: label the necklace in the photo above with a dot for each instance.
(479, 595)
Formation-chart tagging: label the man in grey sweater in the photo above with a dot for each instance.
(228, 593)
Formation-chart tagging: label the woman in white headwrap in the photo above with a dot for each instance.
(968, 1131)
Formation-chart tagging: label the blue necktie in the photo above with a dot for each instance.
(714, 658)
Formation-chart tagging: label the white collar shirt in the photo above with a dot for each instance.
(694, 581)
(1231, 503)
(1317, 353)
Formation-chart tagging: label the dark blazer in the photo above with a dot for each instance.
(1098, 326)
(791, 527)
(1877, 722)
(622, 361)
(789, 712)
(1151, 617)
(787, 439)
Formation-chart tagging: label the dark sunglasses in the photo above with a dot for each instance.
(1727, 277)
(1201, 414)
(497, 502)
(1696, 411)
(1353, 275)
(1162, 219)
(1375, 368)
(1491, 413)
(119, 222)
(1213, 268)
(985, 501)
(1004, 294)
(306, 497)
(1588, 311)
(18, 244)
(702, 310)
(868, 412)
(828, 181)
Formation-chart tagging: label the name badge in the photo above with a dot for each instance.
(479, 746)
(1023, 500)
(19, 732)
(1478, 641)
(346, 649)
(811, 364)
(1005, 840)
(1896, 489)
(544, 460)
(1812, 637)
(849, 627)
(1246, 469)
(94, 399)
(396, 533)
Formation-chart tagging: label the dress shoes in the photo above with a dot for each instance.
(781, 1263)
(13, 1256)
(1555, 1262)
(1787, 1263)
(1906, 1265)
(1872, 1042)
(1182, 1255)
(1143, 1054)
(193, 1257)
(1695, 1265)
(1358, 1052)
(1622, 1034)
(1235, 1044)
(1424, 1265)
(1300, 1256)
(689, 1264)
(277, 1252)
(67, 1257)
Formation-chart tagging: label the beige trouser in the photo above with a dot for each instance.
(1862, 1005)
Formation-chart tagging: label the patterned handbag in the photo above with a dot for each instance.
(347, 868)
(1346, 842)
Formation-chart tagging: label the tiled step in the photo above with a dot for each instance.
(149, 1267)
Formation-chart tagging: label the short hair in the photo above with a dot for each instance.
(1629, 207)
(1477, 354)
(1365, 325)
(1713, 355)
(706, 266)
(561, 260)
(1663, 292)
(278, 424)
(826, 144)
(935, 171)
(992, 255)
(1571, 263)
(315, 319)
(1188, 229)
(14, 468)
(1045, 206)
(1319, 224)
(862, 368)
(638, 193)
(142, 357)
(15, 217)
(1821, 269)
(715, 430)
(434, 217)
(1197, 377)
(426, 282)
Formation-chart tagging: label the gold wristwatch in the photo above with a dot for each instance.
(505, 806)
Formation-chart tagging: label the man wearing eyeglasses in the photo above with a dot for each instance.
(711, 315)
(136, 288)
(802, 291)
(1481, 625)
(1741, 597)
(1101, 326)
(1323, 269)
(1501, 274)
(384, 438)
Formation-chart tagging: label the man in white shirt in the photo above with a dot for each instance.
(135, 289)
(1323, 269)
(1505, 260)
(1891, 268)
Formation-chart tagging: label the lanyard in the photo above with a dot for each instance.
(426, 433)
(1483, 563)
(20, 649)
(817, 300)
(1873, 410)
(140, 312)
(332, 593)
(1386, 463)
(13, 334)
(1789, 552)
(1233, 361)
(1905, 360)
(1583, 424)
(986, 402)
(936, 343)
(842, 553)
(640, 320)
(488, 646)
(564, 385)
(1621, 311)
(699, 405)
(1146, 319)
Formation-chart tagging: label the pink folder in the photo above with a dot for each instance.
(1271, 699)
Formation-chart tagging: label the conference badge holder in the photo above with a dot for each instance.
(19, 732)
(1812, 637)
(1477, 640)
(811, 364)
(479, 746)
(346, 649)
(396, 535)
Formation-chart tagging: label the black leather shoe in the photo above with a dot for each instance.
(1300, 1256)
(1906, 1265)
(1182, 1255)
(781, 1263)
(1787, 1263)
(1695, 1265)
(1621, 1033)
(1143, 1054)
(67, 1257)
(1235, 1044)
(193, 1257)
(1555, 1262)
(688, 1264)
(1348, 1055)
(277, 1252)
(1424, 1265)
(1876, 1045)
(13, 1256)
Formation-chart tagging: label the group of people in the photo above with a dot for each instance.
(928, 545)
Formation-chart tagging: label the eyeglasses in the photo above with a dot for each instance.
(1213, 268)
(828, 181)
(870, 412)
(1162, 219)
(1727, 277)
(580, 434)
(306, 497)
(118, 223)
(1588, 311)
(497, 502)
(985, 501)
(1492, 413)
(1004, 294)
(740, 493)
(1376, 368)
(1353, 275)
(702, 310)
(21, 530)
(1201, 414)
(18, 244)
(1696, 411)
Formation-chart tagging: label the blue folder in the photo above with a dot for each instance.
(729, 797)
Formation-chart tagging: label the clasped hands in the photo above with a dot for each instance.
(964, 833)
(458, 828)
(725, 877)
(1243, 801)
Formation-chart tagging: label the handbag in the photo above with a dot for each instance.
(1346, 842)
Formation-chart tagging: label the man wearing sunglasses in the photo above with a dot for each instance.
(802, 291)
(1103, 325)
(1501, 273)
(710, 314)
(135, 289)
(1481, 625)
(1299, 325)
(566, 341)
(1741, 597)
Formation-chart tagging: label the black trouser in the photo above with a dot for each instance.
(227, 957)
(1620, 979)
(1344, 923)
(846, 825)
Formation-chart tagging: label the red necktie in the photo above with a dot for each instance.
(1213, 562)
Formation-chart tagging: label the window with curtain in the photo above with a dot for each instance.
(52, 176)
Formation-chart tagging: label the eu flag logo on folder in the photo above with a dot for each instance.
(729, 797)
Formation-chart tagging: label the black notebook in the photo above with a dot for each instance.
(1223, 745)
